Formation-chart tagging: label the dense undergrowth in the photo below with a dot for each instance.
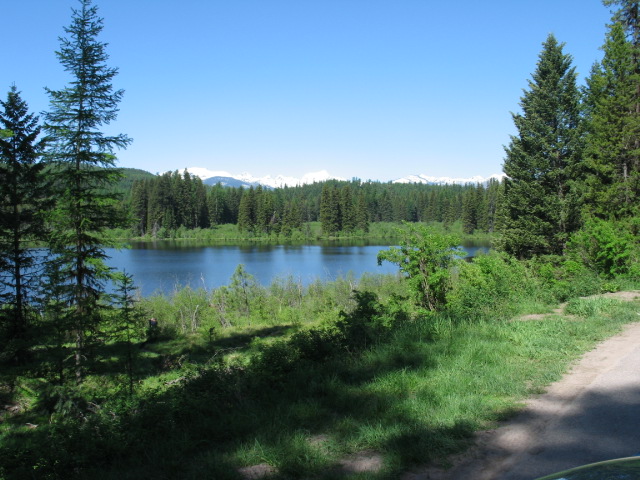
(297, 377)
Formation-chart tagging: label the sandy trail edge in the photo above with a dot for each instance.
(496, 451)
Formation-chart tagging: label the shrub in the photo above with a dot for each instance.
(487, 284)
(606, 247)
(564, 278)
(427, 260)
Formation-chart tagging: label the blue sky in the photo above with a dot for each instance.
(374, 89)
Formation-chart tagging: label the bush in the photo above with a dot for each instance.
(427, 259)
(563, 278)
(606, 247)
(488, 284)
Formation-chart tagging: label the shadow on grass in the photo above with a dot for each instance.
(196, 428)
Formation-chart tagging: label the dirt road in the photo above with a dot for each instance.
(592, 414)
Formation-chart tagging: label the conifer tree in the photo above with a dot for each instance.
(469, 212)
(540, 203)
(348, 209)
(482, 214)
(201, 207)
(613, 102)
(362, 215)
(85, 169)
(140, 205)
(247, 211)
(330, 213)
(217, 206)
(24, 196)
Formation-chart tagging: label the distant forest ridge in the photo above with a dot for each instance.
(173, 200)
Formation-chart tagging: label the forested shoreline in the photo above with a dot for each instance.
(164, 203)
(100, 383)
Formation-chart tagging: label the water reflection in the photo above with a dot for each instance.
(165, 265)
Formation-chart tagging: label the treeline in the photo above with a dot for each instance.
(175, 200)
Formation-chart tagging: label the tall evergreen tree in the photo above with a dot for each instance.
(613, 102)
(247, 211)
(85, 169)
(347, 207)
(140, 205)
(217, 206)
(361, 214)
(469, 212)
(541, 207)
(330, 214)
(23, 199)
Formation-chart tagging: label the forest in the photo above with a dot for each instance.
(286, 380)
(161, 204)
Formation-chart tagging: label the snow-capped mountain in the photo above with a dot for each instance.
(212, 177)
(447, 180)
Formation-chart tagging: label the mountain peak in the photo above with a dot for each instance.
(245, 179)
(421, 178)
(269, 181)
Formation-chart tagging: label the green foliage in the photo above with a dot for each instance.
(611, 163)
(354, 331)
(540, 207)
(604, 247)
(301, 404)
(24, 198)
(613, 101)
(83, 158)
(561, 278)
(427, 260)
(591, 307)
(158, 205)
(127, 327)
(489, 284)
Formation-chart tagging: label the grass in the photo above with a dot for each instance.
(415, 395)
(310, 232)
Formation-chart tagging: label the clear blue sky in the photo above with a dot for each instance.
(374, 89)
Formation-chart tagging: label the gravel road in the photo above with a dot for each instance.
(591, 414)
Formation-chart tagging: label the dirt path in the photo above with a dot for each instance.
(590, 415)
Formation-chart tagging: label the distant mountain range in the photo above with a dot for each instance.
(213, 177)
(447, 180)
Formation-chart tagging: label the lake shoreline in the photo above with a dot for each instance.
(165, 266)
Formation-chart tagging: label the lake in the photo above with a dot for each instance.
(162, 266)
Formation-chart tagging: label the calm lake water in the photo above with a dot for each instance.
(163, 265)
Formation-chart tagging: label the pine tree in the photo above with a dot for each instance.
(217, 206)
(469, 212)
(613, 103)
(347, 208)
(140, 205)
(24, 196)
(385, 207)
(127, 326)
(201, 206)
(541, 207)
(362, 214)
(482, 214)
(247, 211)
(85, 170)
(186, 200)
(330, 215)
